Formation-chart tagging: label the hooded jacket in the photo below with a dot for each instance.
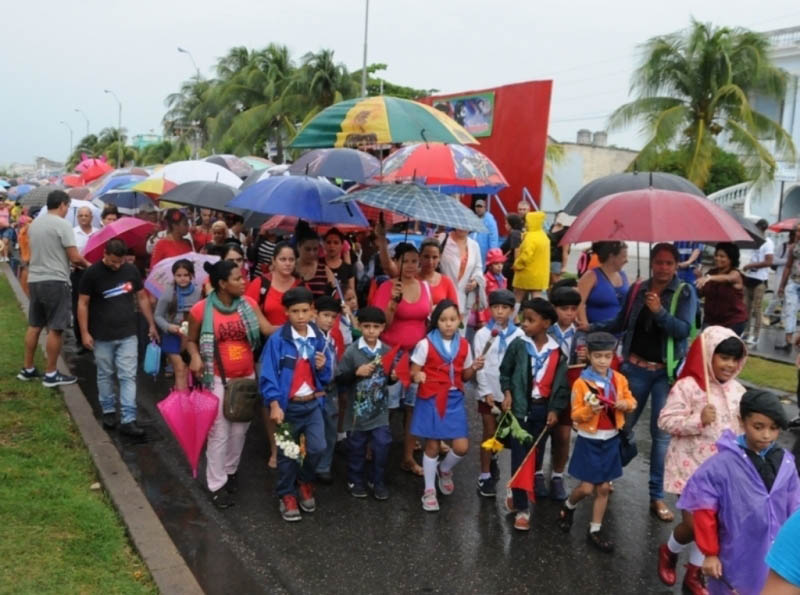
(532, 265)
(691, 443)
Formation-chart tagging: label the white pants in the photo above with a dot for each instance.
(224, 446)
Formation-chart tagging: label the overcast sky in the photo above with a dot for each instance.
(57, 56)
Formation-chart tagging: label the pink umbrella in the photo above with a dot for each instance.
(190, 415)
(161, 275)
(132, 231)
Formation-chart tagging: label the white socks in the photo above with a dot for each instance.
(674, 546)
(450, 461)
(594, 527)
(429, 465)
(696, 557)
(556, 474)
(570, 505)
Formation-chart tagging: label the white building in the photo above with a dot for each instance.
(779, 199)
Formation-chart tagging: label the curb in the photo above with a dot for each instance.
(149, 537)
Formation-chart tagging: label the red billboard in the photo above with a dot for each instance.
(510, 122)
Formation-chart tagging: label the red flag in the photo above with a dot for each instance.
(402, 368)
(523, 479)
(695, 363)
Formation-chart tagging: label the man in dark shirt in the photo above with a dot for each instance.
(107, 318)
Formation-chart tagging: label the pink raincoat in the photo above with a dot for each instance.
(691, 443)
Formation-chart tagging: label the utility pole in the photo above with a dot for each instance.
(70, 136)
(119, 126)
(364, 69)
(188, 53)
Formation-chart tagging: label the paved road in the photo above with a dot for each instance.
(361, 545)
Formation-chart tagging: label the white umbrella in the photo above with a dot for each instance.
(72, 213)
(197, 171)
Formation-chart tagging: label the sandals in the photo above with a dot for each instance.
(659, 510)
(600, 542)
(565, 518)
(411, 467)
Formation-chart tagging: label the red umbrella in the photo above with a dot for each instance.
(288, 223)
(95, 170)
(653, 215)
(132, 231)
(73, 181)
(785, 225)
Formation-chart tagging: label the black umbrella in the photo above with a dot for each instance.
(601, 187)
(348, 164)
(38, 196)
(204, 195)
(751, 229)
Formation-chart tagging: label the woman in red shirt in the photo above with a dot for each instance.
(173, 244)
(442, 287)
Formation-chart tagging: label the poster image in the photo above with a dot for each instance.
(473, 112)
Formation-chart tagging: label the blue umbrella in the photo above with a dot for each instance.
(127, 201)
(347, 164)
(22, 189)
(418, 203)
(118, 182)
(307, 198)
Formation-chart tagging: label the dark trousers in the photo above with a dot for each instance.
(381, 440)
(75, 281)
(534, 423)
(305, 418)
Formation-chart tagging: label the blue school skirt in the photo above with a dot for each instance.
(426, 423)
(170, 343)
(596, 461)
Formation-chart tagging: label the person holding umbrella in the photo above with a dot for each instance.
(654, 325)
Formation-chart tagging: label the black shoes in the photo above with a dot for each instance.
(221, 498)
(232, 485)
(26, 375)
(110, 420)
(324, 477)
(131, 429)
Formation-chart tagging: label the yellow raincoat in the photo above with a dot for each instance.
(532, 266)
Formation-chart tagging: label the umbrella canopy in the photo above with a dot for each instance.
(289, 223)
(451, 168)
(161, 275)
(756, 237)
(88, 162)
(154, 186)
(652, 215)
(95, 170)
(72, 213)
(233, 163)
(785, 225)
(204, 195)
(79, 192)
(348, 164)
(299, 196)
(181, 172)
(21, 190)
(419, 203)
(258, 163)
(132, 231)
(602, 187)
(37, 196)
(129, 202)
(379, 120)
(73, 180)
(118, 181)
(190, 415)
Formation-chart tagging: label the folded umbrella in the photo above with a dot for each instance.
(134, 232)
(418, 202)
(190, 415)
(160, 276)
(348, 164)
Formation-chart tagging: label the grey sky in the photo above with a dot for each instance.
(56, 56)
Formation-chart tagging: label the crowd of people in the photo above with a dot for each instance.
(337, 331)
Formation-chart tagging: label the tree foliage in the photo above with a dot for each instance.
(726, 168)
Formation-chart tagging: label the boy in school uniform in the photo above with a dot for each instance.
(366, 416)
(741, 496)
(492, 341)
(533, 377)
(327, 319)
(294, 372)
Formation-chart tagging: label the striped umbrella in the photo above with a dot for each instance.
(379, 120)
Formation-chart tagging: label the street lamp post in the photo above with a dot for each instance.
(119, 126)
(188, 53)
(70, 135)
(85, 117)
(364, 69)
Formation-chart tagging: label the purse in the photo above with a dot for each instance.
(241, 396)
(152, 359)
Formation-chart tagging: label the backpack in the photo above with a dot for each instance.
(584, 260)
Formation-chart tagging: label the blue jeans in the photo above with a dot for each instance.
(331, 419)
(381, 438)
(120, 357)
(534, 423)
(646, 383)
(305, 418)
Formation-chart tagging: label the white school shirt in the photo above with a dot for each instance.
(488, 377)
(304, 389)
(547, 347)
(566, 346)
(420, 354)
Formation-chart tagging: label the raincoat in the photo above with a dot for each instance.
(532, 265)
(691, 443)
(748, 516)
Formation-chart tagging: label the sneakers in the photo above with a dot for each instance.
(57, 379)
(110, 420)
(557, 490)
(522, 521)
(356, 490)
(221, 499)
(25, 375)
(750, 339)
(131, 429)
(429, 501)
(487, 487)
(380, 492)
(444, 479)
(289, 510)
(510, 501)
(307, 502)
(540, 486)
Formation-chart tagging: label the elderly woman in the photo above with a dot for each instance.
(603, 289)
(723, 290)
(653, 323)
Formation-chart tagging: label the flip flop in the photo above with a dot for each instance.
(411, 468)
(661, 512)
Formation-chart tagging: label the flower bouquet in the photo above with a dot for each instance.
(507, 426)
(284, 439)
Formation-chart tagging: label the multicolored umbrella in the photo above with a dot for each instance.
(154, 186)
(233, 163)
(348, 164)
(379, 120)
(418, 202)
(258, 163)
(118, 181)
(449, 168)
(190, 415)
(181, 172)
(160, 276)
(132, 231)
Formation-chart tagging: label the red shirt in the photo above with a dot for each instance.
(445, 290)
(231, 336)
(201, 237)
(167, 248)
(272, 304)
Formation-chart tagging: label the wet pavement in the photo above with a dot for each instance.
(362, 545)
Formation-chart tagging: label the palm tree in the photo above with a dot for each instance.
(694, 85)
(554, 155)
(189, 110)
(326, 82)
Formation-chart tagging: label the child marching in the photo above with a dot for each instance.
(328, 309)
